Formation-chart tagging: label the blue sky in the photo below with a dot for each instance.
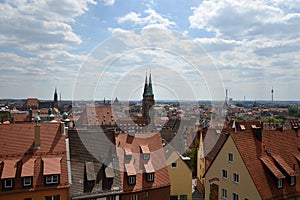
(250, 47)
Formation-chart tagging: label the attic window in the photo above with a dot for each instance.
(242, 127)
(293, 180)
(268, 152)
(279, 183)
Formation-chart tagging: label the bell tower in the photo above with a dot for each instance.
(148, 100)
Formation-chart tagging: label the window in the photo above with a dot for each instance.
(146, 156)
(174, 165)
(8, 183)
(293, 180)
(134, 197)
(236, 178)
(224, 193)
(146, 194)
(183, 197)
(230, 157)
(279, 183)
(235, 196)
(224, 173)
(131, 180)
(52, 179)
(174, 197)
(27, 181)
(128, 157)
(53, 197)
(150, 177)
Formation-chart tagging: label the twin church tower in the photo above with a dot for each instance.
(148, 100)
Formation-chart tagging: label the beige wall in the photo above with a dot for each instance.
(245, 188)
(180, 177)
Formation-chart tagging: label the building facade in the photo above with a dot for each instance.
(33, 162)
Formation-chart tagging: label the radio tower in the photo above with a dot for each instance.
(272, 93)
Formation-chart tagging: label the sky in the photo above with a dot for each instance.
(194, 50)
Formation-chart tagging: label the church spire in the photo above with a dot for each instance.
(146, 86)
(150, 91)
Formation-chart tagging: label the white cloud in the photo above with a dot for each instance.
(255, 44)
(152, 19)
(108, 2)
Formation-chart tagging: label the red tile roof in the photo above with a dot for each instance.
(97, 115)
(18, 140)
(28, 168)
(9, 169)
(271, 166)
(254, 153)
(52, 165)
(157, 160)
(32, 102)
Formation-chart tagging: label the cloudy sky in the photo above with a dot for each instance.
(91, 49)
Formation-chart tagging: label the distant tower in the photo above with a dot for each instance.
(148, 99)
(272, 93)
(55, 100)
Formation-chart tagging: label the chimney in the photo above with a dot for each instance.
(37, 140)
(62, 128)
(258, 133)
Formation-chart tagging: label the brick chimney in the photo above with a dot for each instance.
(37, 139)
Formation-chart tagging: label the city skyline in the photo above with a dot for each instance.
(253, 46)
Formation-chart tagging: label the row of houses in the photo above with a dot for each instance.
(250, 161)
(48, 160)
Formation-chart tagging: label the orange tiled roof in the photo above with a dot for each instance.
(18, 140)
(51, 165)
(28, 168)
(32, 102)
(282, 153)
(9, 169)
(157, 160)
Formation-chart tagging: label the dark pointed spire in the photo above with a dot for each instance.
(146, 86)
(150, 91)
(55, 95)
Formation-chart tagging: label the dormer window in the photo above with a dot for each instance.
(131, 180)
(279, 183)
(150, 177)
(146, 156)
(8, 183)
(293, 180)
(145, 152)
(52, 179)
(27, 181)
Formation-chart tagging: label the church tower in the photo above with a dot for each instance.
(55, 101)
(148, 99)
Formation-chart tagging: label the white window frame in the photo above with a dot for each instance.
(224, 172)
(236, 178)
(279, 183)
(235, 196)
(224, 194)
(131, 180)
(6, 186)
(50, 179)
(25, 179)
(53, 197)
(175, 163)
(230, 157)
(150, 177)
(146, 156)
(134, 197)
(293, 180)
